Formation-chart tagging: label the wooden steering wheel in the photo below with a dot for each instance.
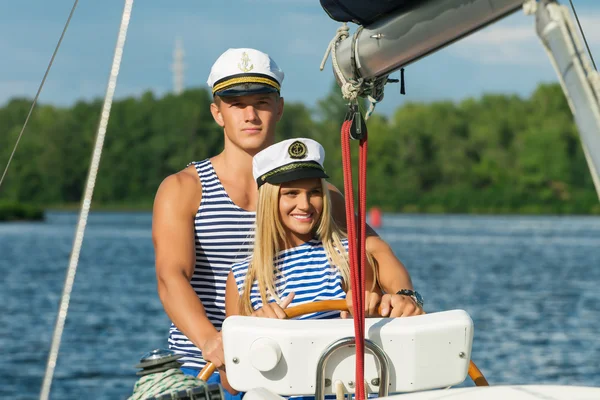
(335, 305)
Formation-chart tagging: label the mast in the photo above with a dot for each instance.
(86, 202)
(178, 67)
(579, 80)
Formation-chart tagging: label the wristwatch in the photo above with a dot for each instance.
(416, 296)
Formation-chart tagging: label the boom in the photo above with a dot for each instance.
(422, 28)
(415, 32)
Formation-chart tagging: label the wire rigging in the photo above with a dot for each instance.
(39, 90)
(87, 202)
(583, 35)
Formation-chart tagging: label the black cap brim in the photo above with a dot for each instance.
(246, 89)
(294, 175)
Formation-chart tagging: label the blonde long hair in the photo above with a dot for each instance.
(270, 233)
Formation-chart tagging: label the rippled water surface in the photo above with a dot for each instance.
(531, 285)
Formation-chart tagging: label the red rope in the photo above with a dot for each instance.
(357, 256)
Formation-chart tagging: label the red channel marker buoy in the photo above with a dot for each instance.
(375, 217)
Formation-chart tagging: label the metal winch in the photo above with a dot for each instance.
(160, 360)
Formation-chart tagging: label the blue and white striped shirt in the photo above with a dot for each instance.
(304, 270)
(224, 234)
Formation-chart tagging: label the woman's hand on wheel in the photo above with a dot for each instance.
(274, 310)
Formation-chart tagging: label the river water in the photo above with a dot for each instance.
(531, 285)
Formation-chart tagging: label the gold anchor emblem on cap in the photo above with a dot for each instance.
(244, 64)
(297, 150)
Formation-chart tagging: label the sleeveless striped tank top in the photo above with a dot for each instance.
(304, 270)
(224, 234)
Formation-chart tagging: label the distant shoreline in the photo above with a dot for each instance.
(102, 207)
(15, 212)
(483, 156)
(425, 209)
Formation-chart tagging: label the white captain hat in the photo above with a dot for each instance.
(289, 160)
(239, 72)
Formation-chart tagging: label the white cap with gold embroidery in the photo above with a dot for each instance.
(289, 160)
(239, 72)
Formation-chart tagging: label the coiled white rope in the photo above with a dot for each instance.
(87, 201)
(352, 89)
(170, 381)
(376, 95)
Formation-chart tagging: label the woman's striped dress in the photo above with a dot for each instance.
(304, 270)
(224, 235)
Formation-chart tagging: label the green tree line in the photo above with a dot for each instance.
(495, 154)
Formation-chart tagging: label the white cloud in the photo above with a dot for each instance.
(295, 36)
(515, 42)
(501, 45)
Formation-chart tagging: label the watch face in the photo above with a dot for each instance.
(414, 294)
(419, 298)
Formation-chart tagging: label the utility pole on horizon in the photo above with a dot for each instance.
(178, 66)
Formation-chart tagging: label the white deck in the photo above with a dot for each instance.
(270, 356)
(524, 392)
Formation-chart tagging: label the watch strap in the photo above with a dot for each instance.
(413, 294)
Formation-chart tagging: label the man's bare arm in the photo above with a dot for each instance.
(175, 205)
(392, 274)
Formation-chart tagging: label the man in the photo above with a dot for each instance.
(203, 215)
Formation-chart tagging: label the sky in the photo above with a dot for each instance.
(506, 57)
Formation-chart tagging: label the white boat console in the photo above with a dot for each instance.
(293, 357)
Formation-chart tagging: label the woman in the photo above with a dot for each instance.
(300, 255)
